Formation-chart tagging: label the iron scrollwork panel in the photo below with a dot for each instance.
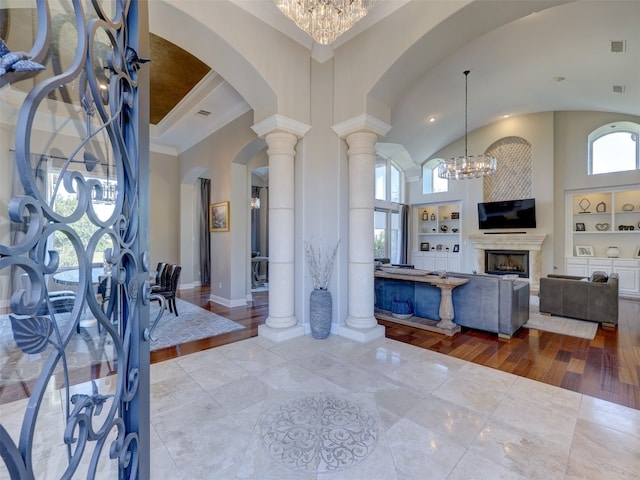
(73, 274)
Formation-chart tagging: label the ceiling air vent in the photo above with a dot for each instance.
(618, 46)
(618, 89)
(204, 113)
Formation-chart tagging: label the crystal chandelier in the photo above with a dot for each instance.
(325, 20)
(469, 166)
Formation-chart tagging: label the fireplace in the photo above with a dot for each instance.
(507, 262)
(530, 242)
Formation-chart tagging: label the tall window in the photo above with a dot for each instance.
(431, 182)
(614, 148)
(66, 203)
(386, 235)
(389, 193)
(388, 181)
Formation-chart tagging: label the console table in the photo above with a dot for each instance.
(255, 271)
(446, 312)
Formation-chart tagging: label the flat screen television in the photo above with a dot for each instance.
(507, 214)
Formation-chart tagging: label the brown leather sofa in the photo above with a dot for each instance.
(574, 297)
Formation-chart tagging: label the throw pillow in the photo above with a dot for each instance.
(599, 276)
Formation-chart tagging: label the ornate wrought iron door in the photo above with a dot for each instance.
(74, 290)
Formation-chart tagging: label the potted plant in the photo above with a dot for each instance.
(320, 305)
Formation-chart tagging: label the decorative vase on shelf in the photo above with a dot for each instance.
(613, 252)
(425, 215)
(320, 306)
(433, 216)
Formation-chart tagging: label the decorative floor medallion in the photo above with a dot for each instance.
(319, 433)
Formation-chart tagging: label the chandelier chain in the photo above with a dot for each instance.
(468, 166)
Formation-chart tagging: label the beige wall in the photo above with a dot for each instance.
(570, 170)
(559, 163)
(216, 154)
(164, 208)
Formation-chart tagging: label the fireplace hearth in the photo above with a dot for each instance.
(507, 262)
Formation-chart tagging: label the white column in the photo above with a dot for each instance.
(281, 135)
(281, 233)
(361, 324)
(362, 157)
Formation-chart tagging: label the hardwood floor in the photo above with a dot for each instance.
(250, 316)
(607, 367)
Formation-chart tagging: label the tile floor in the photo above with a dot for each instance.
(335, 409)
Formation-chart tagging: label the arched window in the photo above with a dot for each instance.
(614, 148)
(431, 182)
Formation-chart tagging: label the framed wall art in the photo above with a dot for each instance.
(219, 220)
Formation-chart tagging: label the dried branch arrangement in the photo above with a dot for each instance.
(321, 266)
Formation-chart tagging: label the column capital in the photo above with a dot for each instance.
(362, 123)
(280, 123)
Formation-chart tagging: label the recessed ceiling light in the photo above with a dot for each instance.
(506, 115)
(432, 119)
(559, 79)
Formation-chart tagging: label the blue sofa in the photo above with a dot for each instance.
(488, 302)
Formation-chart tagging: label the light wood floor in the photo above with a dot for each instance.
(607, 367)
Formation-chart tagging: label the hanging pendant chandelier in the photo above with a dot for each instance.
(468, 166)
(325, 20)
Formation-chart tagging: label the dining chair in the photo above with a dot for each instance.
(169, 293)
(160, 269)
(164, 279)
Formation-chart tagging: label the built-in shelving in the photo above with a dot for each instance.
(599, 219)
(596, 220)
(437, 236)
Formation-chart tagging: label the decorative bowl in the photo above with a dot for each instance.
(402, 316)
(602, 227)
(627, 207)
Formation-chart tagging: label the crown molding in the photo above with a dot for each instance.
(362, 123)
(280, 123)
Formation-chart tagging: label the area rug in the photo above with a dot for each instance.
(192, 323)
(89, 348)
(561, 325)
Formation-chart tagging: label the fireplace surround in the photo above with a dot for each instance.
(529, 242)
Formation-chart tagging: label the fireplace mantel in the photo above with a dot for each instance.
(532, 242)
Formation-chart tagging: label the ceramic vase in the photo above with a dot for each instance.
(401, 308)
(613, 252)
(320, 307)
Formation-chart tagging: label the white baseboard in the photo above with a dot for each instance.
(186, 286)
(239, 302)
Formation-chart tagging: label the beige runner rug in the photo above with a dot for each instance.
(562, 325)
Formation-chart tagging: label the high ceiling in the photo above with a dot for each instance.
(558, 59)
(174, 73)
